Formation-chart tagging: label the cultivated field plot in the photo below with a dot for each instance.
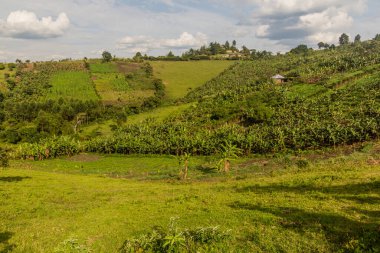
(180, 77)
(313, 203)
(159, 114)
(72, 84)
(115, 90)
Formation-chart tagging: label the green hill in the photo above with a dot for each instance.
(181, 77)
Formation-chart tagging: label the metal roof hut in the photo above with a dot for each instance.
(279, 79)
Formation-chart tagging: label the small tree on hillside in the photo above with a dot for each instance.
(228, 153)
(300, 49)
(344, 39)
(357, 39)
(321, 45)
(107, 57)
(183, 160)
(377, 37)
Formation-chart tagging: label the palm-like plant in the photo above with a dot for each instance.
(228, 153)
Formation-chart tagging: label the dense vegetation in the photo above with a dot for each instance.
(332, 97)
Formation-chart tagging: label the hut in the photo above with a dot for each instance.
(278, 79)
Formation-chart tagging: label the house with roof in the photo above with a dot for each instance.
(278, 79)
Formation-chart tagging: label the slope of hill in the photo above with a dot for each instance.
(181, 77)
(331, 98)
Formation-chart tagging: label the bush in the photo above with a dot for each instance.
(174, 240)
(4, 158)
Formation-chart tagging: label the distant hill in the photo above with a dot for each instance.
(329, 97)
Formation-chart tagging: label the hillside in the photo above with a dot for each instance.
(181, 77)
(331, 97)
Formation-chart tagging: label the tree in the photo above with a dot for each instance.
(183, 159)
(321, 45)
(138, 56)
(344, 39)
(300, 49)
(107, 57)
(377, 37)
(228, 153)
(227, 45)
(357, 39)
(245, 51)
(170, 54)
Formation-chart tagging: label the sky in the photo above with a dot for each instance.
(52, 30)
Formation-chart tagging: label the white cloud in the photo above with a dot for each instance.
(26, 25)
(146, 43)
(331, 18)
(278, 7)
(262, 30)
(185, 40)
(327, 37)
(298, 21)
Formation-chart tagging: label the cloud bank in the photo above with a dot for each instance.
(26, 25)
(145, 44)
(309, 20)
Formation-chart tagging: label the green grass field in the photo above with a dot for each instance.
(159, 114)
(180, 77)
(72, 84)
(305, 90)
(327, 202)
(115, 90)
(98, 67)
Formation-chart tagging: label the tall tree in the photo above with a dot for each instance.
(227, 45)
(357, 38)
(245, 51)
(344, 39)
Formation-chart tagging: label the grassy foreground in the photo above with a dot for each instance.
(313, 203)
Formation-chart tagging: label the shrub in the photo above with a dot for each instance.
(4, 158)
(175, 240)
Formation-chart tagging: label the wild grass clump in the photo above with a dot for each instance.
(71, 245)
(203, 239)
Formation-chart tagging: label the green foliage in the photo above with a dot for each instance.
(107, 57)
(49, 148)
(174, 240)
(300, 49)
(4, 158)
(344, 39)
(2, 66)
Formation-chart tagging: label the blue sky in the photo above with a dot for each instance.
(46, 29)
